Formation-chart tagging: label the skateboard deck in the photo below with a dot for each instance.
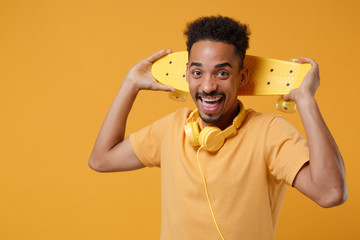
(266, 76)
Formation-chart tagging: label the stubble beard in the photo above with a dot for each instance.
(209, 118)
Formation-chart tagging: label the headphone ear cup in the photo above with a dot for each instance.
(192, 133)
(211, 138)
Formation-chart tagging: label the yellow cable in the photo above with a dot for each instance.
(207, 194)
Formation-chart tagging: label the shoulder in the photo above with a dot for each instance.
(182, 113)
(255, 118)
(178, 116)
(165, 126)
(266, 122)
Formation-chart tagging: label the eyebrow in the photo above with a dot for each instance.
(195, 64)
(220, 65)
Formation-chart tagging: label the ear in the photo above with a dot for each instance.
(244, 76)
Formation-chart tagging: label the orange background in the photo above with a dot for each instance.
(61, 65)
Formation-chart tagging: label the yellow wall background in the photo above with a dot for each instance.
(61, 65)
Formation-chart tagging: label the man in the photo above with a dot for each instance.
(246, 178)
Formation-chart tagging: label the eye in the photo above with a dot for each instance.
(196, 73)
(223, 74)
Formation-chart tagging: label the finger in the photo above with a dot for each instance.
(314, 66)
(161, 87)
(158, 55)
(308, 60)
(287, 97)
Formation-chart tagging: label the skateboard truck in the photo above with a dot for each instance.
(178, 95)
(285, 106)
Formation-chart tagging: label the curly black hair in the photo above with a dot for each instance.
(219, 29)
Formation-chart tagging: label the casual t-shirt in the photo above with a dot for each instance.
(246, 178)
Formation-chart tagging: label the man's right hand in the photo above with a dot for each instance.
(111, 151)
(140, 77)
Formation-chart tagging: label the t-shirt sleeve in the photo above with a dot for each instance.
(286, 149)
(146, 143)
(149, 142)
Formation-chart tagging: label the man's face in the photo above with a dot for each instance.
(214, 78)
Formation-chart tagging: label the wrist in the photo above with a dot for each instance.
(130, 85)
(306, 102)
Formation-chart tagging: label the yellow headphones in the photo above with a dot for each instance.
(211, 138)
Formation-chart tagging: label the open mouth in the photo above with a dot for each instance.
(210, 103)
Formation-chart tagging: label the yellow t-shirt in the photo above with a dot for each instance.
(246, 178)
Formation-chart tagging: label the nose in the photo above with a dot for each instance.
(209, 84)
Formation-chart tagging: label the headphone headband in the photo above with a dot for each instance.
(193, 116)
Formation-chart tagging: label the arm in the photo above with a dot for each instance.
(111, 151)
(323, 178)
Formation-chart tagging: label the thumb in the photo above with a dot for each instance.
(289, 96)
(286, 97)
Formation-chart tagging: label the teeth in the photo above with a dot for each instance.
(210, 99)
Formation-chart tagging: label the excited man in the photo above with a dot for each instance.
(246, 178)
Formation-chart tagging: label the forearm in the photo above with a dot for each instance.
(326, 167)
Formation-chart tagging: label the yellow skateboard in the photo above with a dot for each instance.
(266, 77)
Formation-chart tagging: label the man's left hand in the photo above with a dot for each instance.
(309, 85)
